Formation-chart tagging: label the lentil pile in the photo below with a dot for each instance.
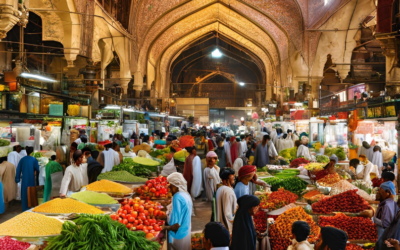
(30, 224)
(91, 197)
(66, 206)
(108, 187)
(120, 176)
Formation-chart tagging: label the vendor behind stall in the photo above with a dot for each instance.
(94, 168)
(364, 170)
(387, 208)
(14, 157)
(366, 150)
(51, 167)
(75, 175)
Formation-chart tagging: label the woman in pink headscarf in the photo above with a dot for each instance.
(211, 175)
(234, 149)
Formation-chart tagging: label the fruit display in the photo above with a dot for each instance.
(30, 224)
(260, 221)
(6, 243)
(292, 184)
(66, 206)
(329, 180)
(315, 167)
(107, 186)
(297, 162)
(280, 236)
(154, 189)
(122, 176)
(140, 215)
(339, 152)
(322, 158)
(289, 153)
(353, 247)
(348, 201)
(276, 200)
(181, 155)
(98, 232)
(357, 228)
(134, 169)
(91, 197)
(4, 142)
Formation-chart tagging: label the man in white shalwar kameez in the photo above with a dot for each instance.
(192, 173)
(211, 175)
(108, 158)
(227, 148)
(364, 170)
(366, 150)
(179, 213)
(14, 157)
(75, 175)
(225, 200)
(377, 158)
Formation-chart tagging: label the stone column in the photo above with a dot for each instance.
(138, 85)
(9, 16)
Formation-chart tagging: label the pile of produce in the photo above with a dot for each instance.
(297, 162)
(329, 180)
(6, 243)
(164, 154)
(376, 182)
(144, 146)
(292, 184)
(339, 152)
(66, 206)
(321, 174)
(281, 161)
(123, 176)
(322, 158)
(181, 155)
(30, 224)
(357, 228)
(137, 214)
(289, 153)
(348, 201)
(314, 195)
(290, 172)
(352, 146)
(343, 186)
(37, 155)
(107, 186)
(315, 167)
(154, 189)
(96, 232)
(278, 199)
(90, 197)
(260, 221)
(147, 163)
(353, 247)
(280, 232)
(4, 142)
(129, 166)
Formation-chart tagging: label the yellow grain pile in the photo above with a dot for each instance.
(108, 187)
(66, 206)
(30, 224)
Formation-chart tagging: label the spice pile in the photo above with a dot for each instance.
(280, 235)
(292, 184)
(66, 206)
(313, 195)
(91, 197)
(297, 162)
(357, 228)
(154, 189)
(140, 215)
(108, 187)
(120, 176)
(260, 221)
(95, 232)
(329, 180)
(6, 243)
(348, 201)
(30, 224)
(277, 199)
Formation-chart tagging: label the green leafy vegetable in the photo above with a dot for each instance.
(290, 183)
(322, 158)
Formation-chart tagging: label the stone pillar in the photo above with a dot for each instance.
(315, 82)
(138, 85)
(9, 16)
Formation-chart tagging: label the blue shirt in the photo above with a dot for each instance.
(181, 214)
(241, 189)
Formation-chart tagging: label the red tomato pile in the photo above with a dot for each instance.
(154, 189)
(353, 247)
(357, 228)
(6, 243)
(348, 201)
(277, 199)
(138, 214)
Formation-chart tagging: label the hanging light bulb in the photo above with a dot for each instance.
(241, 83)
(216, 53)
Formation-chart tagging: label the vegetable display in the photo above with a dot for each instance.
(147, 163)
(289, 153)
(181, 155)
(280, 236)
(322, 158)
(329, 180)
(291, 172)
(260, 221)
(292, 184)
(4, 142)
(297, 162)
(107, 186)
(139, 215)
(277, 199)
(129, 166)
(348, 201)
(120, 176)
(6, 243)
(97, 232)
(37, 155)
(339, 152)
(357, 228)
(90, 197)
(155, 189)
(66, 206)
(315, 167)
(30, 224)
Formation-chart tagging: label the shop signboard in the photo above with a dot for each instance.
(365, 128)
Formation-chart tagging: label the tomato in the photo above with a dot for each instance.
(120, 219)
(157, 194)
(125, 212)
(149, 228)
(140, 227)
(153, 231)
(146, 212)
(129, 225)
(150, 185)
(124, 221)
(146, 222)
(131, 201)
(153, 190)
(157, 227)
(127, 207)
(141, 209)
(146, 231)
(134, 214)
(131, 219)
(136, 222)
(142, 202)
(123, 216)
(113, 217)
(136, 206)
(155, 212)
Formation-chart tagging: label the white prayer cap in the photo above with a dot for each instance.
(178, 181)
